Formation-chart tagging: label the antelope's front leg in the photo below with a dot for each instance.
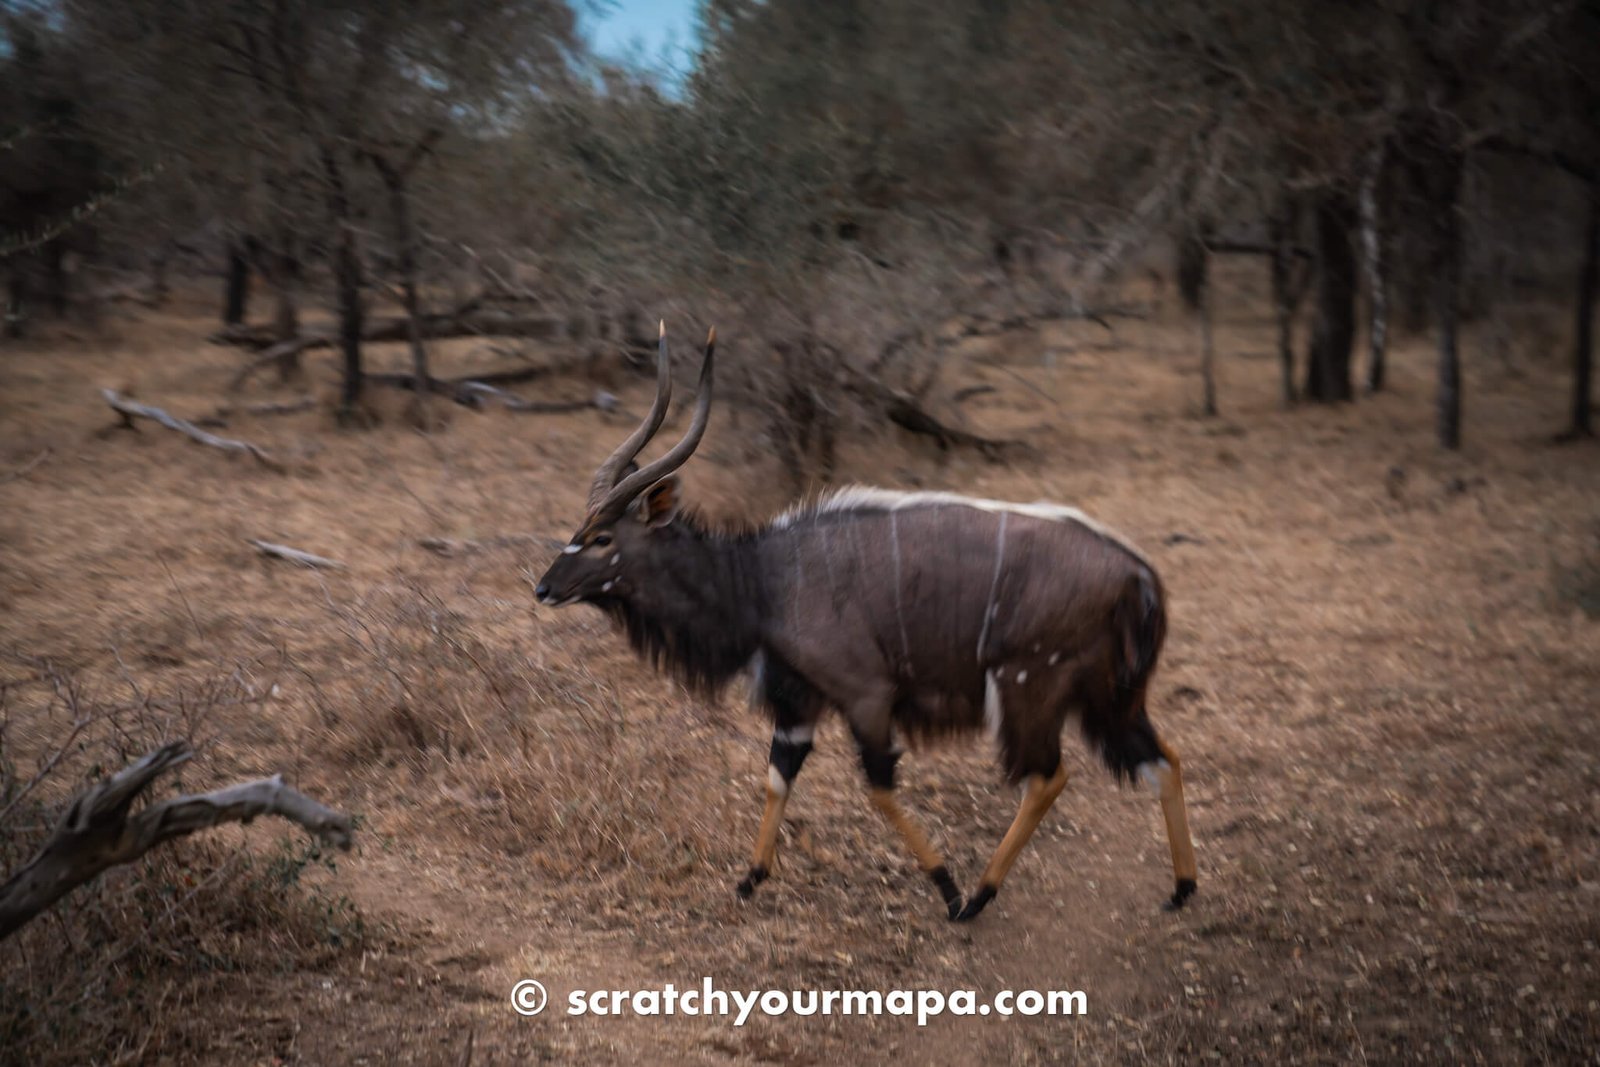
(790, 747)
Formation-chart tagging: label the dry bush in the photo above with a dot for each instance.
(524, 747)
(89, 980)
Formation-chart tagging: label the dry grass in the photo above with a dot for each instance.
(1382, 675)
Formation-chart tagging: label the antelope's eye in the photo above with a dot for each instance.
(601, 540)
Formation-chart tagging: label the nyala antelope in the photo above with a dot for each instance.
(915, 615)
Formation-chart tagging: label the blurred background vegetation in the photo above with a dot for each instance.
(833, 182)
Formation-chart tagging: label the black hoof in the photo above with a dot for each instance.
(1181, 894)
(947, 889)
(756, 876)
(979, 901)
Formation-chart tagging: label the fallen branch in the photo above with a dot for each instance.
(476, 323)
(903, 410)
(294, 555)
(130, 410)
(475, 390)
(43, 455)
(98, 833)
(450, 547)
(282, 353)
(281, 407)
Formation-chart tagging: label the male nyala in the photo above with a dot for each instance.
(915, 615)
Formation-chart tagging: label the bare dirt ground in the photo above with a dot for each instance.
(1379, 674)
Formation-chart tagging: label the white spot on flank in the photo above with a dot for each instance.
(991, 703)
(866, 497)
(1022, 676)
(607, 587)
(571, 550)
(616, 557)
(1055, 657)
(775, 782)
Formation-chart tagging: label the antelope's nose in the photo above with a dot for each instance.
(542, 593)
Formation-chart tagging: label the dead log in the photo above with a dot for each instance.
(475, 392)
(26, 467)
(450, 547)
(294, 555)
(284, 354)
(98, 833)
(129, 410)
(903, 410)
(476, 323)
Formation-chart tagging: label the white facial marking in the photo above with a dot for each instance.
(991, 703)
(795, 735)
(571, 550)
(775, 782)
(1022, 676)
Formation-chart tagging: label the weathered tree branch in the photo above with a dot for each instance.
(129, 410)
(294, 555)
(97, 832)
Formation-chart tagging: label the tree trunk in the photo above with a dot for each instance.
(1446, 198)
(394, 179)
(1583, 334)
(347, 280)
(1281, 228)
(55, 272)
(1334, 329)
(16, 299)
(236, 293)
(1194, 287)
(347, 271)
(1373, 229)
(159, 289)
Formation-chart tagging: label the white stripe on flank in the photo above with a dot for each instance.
(994, 586)
(991, 704)
(866, 497)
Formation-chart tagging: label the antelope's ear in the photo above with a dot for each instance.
(659, 506)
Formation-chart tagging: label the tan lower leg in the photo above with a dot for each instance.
(1041, 793)
(1172, 808)
(766, 850)
(886, 802)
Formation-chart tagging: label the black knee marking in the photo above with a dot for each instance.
(879, 765)
(788, 756)
(1180, 895)
(977, 903)
(757, 875)
(947, 889)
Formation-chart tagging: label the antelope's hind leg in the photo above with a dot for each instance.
(1038, 796)
(1166, 778)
